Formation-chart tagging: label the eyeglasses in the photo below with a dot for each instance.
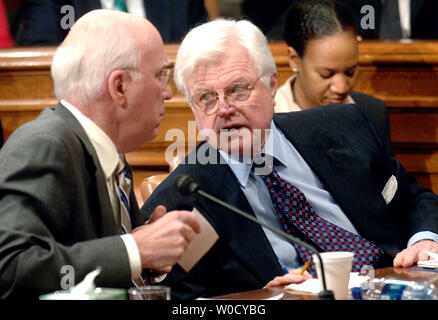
(207, 100)
(164, 76)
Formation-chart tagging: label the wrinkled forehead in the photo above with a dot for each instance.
(236, 65)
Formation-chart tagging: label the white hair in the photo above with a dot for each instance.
(80, 67)
(209, 42)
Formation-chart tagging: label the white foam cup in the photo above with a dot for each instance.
(337, 268)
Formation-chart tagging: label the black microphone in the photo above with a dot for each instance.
(187, 186)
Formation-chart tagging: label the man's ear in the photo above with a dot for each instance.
(294, 59)
(273, 84)
(117, 86)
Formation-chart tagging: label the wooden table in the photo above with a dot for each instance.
(263, 294)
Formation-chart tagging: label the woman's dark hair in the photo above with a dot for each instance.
(314, 19)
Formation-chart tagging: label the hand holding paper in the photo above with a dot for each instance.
(200, 244)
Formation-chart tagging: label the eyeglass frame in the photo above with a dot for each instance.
(226, 97)
(165, 75)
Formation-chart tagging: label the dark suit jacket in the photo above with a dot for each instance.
(375, 110)
(269, 16)
(38, 21)
(344, 150)
(424, 18)
(55, 210)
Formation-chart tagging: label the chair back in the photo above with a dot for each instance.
(149, 184)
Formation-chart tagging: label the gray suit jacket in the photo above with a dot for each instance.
(55, 210)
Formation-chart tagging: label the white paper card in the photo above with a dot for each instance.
(201, 243)
(428, 264)
(390, 189)
(314, 285)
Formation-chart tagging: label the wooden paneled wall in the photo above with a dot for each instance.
(403, 74)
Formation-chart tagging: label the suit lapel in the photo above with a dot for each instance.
(158, 13)
(82, 7)
(136, 217)
(107, 221)
(246, 239)
(415, 8)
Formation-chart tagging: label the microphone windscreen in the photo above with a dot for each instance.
(186, 185)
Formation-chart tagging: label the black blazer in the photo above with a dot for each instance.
(345, 151)
(55, 210)
(375, 110)
(424, 18)
(38, 21)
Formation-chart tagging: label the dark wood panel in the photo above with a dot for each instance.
(414, 127)
(404, 75)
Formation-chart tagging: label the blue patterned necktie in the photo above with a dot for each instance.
(125, 186)
(299, 218)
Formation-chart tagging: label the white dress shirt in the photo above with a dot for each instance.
(108, 158)
(294, 169)
(404, 10)
(284, 99)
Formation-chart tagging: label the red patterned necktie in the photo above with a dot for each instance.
(299, 218)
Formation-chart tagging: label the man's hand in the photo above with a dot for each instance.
(292, 277)
(411, 255)
(164, 238)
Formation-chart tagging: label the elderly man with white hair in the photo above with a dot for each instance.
(66, 190)
(330, 181)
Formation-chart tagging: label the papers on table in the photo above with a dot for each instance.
(309, 286)
(269, 296)
(314, 285)
(429, 263)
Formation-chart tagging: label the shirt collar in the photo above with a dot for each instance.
(242, 170)
(286, 92)
(105, 149)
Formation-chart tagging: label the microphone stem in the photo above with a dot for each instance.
(280, 232)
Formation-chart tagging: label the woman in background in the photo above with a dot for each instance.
(323, 53)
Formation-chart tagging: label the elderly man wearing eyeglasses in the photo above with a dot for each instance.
(66, 190)
(331, 181)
